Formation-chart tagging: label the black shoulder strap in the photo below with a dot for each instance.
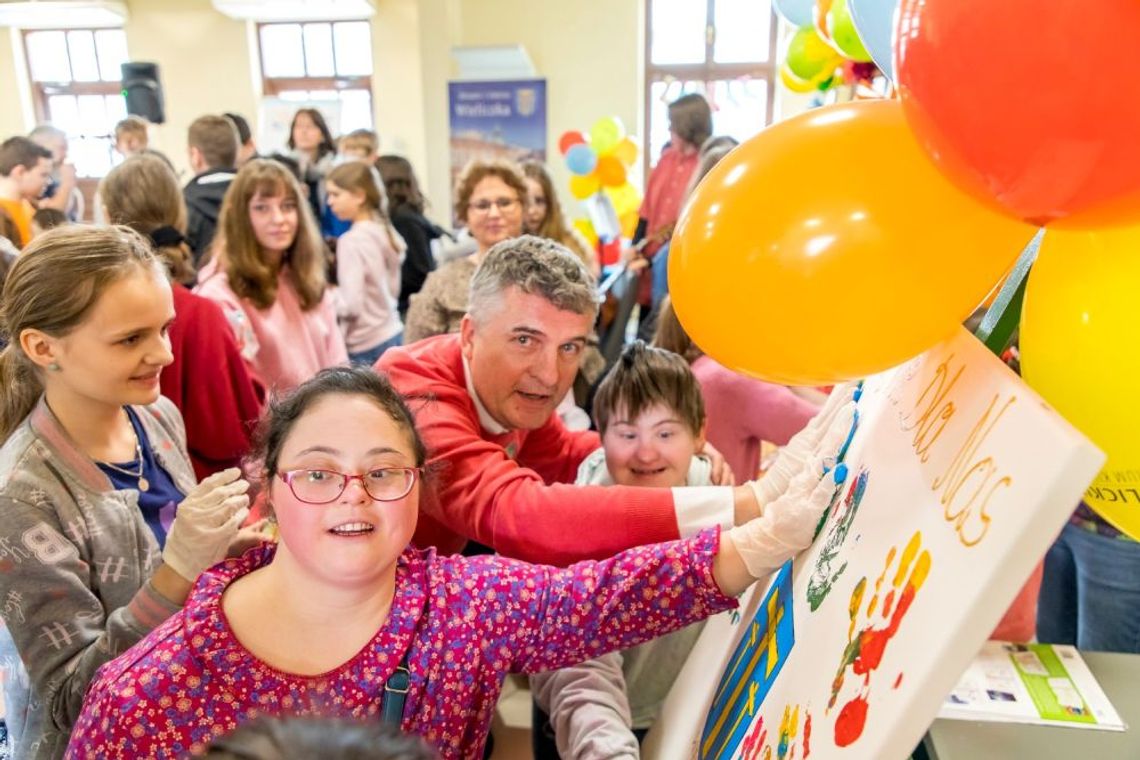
(395, 691)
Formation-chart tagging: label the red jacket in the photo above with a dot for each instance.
(211, 384)
(524, 507)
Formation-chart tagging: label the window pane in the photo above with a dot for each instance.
(297, 96)
(63, 112)
(353, 40)
(47, 55)
(318, 50)
(740, 107)
(93, 114)
(111, 45)
(84, 66)
(91, 155)
(742, 31)
(678, 28)
(355, 110)
(282, 53)
(661, 94)
(116, 110)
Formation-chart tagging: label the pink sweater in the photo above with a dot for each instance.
(368, 276)
(464, 624)
(284, 344)
(743, 411)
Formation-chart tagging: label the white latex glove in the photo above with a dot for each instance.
(207, 521)
(787, 525)
(823, 436)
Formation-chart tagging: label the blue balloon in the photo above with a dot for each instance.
(875, 23)
(797, 12)
(581, 159)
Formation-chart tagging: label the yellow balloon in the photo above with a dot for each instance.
(627, 150)
(629, 223)
(829, 247)
(625, 198)
(795, 84)
(1080, 350)
(582, 187)
(586, 227)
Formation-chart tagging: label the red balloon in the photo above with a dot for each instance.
(1025, 103)
(569, 139)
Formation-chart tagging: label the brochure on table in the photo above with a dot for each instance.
(1038, 684)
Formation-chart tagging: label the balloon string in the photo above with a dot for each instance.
(1001, 319)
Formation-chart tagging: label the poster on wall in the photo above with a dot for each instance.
(490, 120)
(960, 478)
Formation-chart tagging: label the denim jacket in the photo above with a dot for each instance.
(76, 559)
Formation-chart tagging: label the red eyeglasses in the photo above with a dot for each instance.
(326, 486)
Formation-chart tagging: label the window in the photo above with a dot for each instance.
(321, 64)
(723, 49)
(77, 86)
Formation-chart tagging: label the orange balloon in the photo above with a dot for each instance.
(627, 150)
(828, 248)
(819, 19)
(610, 171)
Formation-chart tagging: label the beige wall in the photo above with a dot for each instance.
(15, 113)
(589, 52)
(204, 61)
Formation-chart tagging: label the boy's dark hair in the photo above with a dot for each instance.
(644, 376)
(49, 218)
(20, 151)
(278, 420)
(301, 738)
(241, 125)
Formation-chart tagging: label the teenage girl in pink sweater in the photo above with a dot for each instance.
(269, 278)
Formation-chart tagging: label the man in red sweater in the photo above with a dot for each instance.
(501, 463)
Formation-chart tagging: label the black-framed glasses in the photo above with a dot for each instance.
(326, 486)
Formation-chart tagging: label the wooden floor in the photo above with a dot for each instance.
(511, 727)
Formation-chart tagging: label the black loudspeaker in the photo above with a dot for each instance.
(143, 91)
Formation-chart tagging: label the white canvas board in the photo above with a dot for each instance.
(960, 477)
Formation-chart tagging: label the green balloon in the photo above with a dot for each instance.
(809, 56)
(843, 33)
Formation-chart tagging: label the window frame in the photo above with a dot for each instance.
(274, 86)
(41, 91)
(707, 71)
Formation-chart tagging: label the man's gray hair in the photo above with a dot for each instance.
(46, 130)
(535, 266)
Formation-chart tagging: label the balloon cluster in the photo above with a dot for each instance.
(827, 48)
(599, 162)
(789, 268)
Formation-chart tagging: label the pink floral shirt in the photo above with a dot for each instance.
(465, 623)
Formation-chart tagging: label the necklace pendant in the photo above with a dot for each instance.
(144, 484)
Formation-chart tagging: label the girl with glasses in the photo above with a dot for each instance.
(489, 199)
(342, 618)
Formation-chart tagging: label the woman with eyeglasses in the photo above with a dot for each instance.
(342, 618)
(489, 198)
